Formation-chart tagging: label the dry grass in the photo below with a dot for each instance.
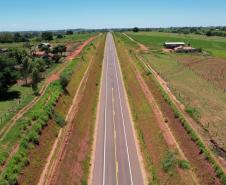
(153, 146)
(77, 157)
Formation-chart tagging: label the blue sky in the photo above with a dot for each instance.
(17, 15)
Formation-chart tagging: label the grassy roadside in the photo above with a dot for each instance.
(20, 96)
(155, 151)
(39, 154)
(188, 139)
(27, 130)
(197, 80)
(78, 150)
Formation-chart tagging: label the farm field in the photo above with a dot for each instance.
(20, 95)
(26, 127)
(77, 150)
(154, 147)
(197, 81)
(213, 46)
(189, 148)
(78, 68)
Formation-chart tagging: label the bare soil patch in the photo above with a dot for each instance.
(211, 69)
(189, 148)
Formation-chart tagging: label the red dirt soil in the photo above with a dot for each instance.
(189, 148)
(50, 79)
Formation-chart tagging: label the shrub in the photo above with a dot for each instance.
(33, 137)
(193, 112)
(183, 164)
(64, 81)
(168, 161)
(59, 119)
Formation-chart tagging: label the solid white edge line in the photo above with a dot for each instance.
(105, 115)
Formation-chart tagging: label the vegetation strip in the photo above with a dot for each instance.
(208, 155)
(31, 125)
(153, 146)
(80, 140)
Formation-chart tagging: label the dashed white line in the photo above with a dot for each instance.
(123, 122)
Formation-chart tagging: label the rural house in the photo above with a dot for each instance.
(173, 45)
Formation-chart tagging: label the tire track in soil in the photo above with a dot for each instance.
(49, 174)
(55, 76)
(167, 134)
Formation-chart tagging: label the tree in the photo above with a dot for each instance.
(69, 32)
(8, 74)
(209, 33)
(26, 68)
(136, 29)
(59, 36)
(19, 38)
(35, 79)
(47, 36)
(6, 37)
(59, 49)
(64, 81)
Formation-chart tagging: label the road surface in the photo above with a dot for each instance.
(116, 161)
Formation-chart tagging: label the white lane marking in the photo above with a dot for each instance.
(123, 122)
(105, 116)
(115, 135)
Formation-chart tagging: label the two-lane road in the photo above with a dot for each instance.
(116, 160)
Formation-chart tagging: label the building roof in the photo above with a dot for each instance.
(174, 43)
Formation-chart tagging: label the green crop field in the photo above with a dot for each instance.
(214, 46)
(194, 90)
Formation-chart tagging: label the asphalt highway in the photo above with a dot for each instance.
(116, 160)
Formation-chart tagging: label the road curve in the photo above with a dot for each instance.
(116, 161)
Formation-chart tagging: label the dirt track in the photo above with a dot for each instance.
(50, 172)
(50, 79)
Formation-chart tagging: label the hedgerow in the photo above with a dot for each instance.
(218, 170)
(32, 124)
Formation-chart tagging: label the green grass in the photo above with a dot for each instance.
(182, 75)
(214, 46)
(8, 108)
(74, 38)
(193, 91)
(152, 143)
(208, 102)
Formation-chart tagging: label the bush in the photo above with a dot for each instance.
(33, 137)
(168, 161)
(59, 119)
(194, 113)
(64, 81)
(183, 164)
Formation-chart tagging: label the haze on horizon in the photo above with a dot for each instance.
(25, 15)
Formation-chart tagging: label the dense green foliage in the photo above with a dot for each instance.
(8, 74)
(47, 36)
(9, 37)
(30, 126)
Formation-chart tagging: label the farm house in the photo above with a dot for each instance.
(173, 45)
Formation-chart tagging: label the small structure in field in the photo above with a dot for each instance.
(173, 45)
(180, 47)
(44, 44)
(3, 50)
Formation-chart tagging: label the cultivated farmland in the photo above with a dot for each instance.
(172, 117)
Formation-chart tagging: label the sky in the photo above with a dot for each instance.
(27, 15)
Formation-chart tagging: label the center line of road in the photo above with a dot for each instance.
(116, 162)
(123, 121)
(105, 119)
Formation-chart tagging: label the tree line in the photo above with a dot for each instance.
(18, 64)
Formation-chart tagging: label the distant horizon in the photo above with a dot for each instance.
(26, 15)
(88, 29)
